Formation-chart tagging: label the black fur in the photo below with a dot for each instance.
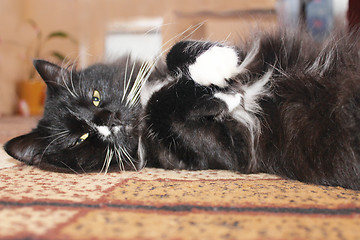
(303, 126)
(69, 113)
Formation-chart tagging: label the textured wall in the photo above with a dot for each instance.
(89, 20)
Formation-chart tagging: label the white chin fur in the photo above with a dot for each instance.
(214, 66)
(104, 131)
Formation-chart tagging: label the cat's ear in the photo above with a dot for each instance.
(26, 148)
(51, 73)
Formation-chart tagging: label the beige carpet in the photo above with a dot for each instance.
(158, 204)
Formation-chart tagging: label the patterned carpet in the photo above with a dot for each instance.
(157, 204)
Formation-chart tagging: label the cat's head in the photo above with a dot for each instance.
(90, 119)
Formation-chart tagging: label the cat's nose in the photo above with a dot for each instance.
(104, 118)
(107, 118)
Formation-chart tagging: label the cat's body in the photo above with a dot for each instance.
(282, 104)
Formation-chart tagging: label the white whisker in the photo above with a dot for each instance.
(109, 161)
(61, 136)
(128, 81)
(66, 85)
(120, 160)
(71, 80)
(128, 156)
(197, 26)
(69, 167)
(140, 80)
(108, 157)
(103, 166)
(66, 132)
(82, 169)
(53, 128)
(125, 78)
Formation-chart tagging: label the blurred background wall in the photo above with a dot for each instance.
(101, 30)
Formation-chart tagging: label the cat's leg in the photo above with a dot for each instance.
(187, 127)
(206, 63)
(193, 125)
(226, 67)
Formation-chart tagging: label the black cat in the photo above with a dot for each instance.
(281, 104)
(91, 118)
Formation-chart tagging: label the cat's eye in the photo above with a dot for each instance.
(96, 98)
(82, 138)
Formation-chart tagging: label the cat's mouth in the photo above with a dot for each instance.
(106, 132)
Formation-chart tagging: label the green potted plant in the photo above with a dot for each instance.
(31, 91)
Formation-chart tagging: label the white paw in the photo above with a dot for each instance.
(214, 66)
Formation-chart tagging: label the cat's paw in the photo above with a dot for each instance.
(215, 66)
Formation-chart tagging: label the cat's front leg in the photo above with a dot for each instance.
(206, 63)
(186, 126)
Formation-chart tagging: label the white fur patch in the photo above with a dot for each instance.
(253, 92)
(250, 98)
(149, 89)
(232, 100)
(104, 131)
(244, 108)
(214, 66)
